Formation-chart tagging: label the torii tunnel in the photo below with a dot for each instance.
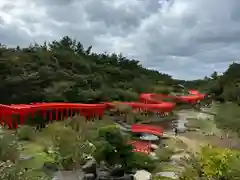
(193, 97)
(15, 114)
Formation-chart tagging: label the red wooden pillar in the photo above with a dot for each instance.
(83, 113)
(1, 117)
(33, 113)
(50, 115)
(61, 114)
(77, 111)
(67, 113)
(86, 114)
(100, 113)
(80, 112)
(56, 111)
(44, 113)
(15, 120)
(22, 117)
(5, 117)
(91, 114)
(8, 117)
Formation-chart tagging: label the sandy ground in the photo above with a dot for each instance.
(208, 134)
(194, 140)
(192, 144)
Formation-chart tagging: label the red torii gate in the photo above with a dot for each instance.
(10, 115)
(14, 114)
(193, 97)
(140, 106)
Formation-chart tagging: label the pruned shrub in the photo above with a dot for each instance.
(26, 133)
(142, 161)
(164, 154)
(8, 148)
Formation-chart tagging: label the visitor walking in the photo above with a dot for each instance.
(175, 130)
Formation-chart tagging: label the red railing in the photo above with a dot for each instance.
(144, 128)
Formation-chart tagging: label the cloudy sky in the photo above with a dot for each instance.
(186, 38)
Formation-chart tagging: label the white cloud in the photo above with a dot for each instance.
(187, 39)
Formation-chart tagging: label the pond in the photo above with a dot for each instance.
(168, 124)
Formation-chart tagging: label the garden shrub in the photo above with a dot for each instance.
(164, 154)
(26, 133)
(8, 148)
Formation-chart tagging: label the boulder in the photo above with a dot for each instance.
(171, 175)
(103, 166)
(90, 166)
(117, 171)
(142, 175)
(49, 166)
(25, 157)
(89, 176)
(104, 175)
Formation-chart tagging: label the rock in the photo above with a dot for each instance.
(171, 175)
(117, 171)
(25, 158)
(142, 175)
(153, 155)
(154, 146)
(67, 175)
(103, 166)
(89, 176)
(50, 166)
(104, 175)
(179, 157)
(90, 166)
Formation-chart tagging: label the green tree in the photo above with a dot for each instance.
(228, 117)
(70, 148)
(113, 147)
(213, 163)
(65, 71)
(214, 75)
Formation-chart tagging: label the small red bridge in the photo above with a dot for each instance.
(150, 129)
(141, 146)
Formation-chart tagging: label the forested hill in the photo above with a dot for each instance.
(64, 71)
(225, 87)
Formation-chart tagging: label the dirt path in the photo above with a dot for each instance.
(193, 145)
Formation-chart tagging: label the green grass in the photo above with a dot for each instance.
(174, 144)
(204, 125)
(168, 167)
(37, 152)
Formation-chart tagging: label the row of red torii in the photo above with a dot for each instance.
(15, 114)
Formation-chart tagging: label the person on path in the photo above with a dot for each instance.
(175, 131)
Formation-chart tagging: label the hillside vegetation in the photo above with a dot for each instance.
(223, 87)
(64, 71)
